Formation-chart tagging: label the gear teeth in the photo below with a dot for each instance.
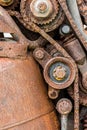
(47, 24)
(47, 20)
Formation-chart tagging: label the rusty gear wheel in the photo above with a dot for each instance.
(11, 6)
(37, 11)
(45, 13)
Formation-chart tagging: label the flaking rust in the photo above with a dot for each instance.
(20, 85)
(53, 34)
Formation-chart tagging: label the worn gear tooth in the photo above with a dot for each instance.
(51, 18)
(48, 20)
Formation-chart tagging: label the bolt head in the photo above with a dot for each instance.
(59, 73)
(41, 8)
(65, 29)
(39, 54)
(64, 106)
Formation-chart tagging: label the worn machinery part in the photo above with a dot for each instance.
(42, 57)
(72, 23)
(52, 51)
(76, 81)
(76, 16)
(77, 52)
(79, 56)
(76, 85)
(8, 25)
(48, 23)
(64, 29)
(61, 50)
(42, 12)
(19, 107)
(14, 94)
(76, 88)
(9, 4)
(64, 107)
(53, 93)
(59, 72)
(82, 5)
(12, 49)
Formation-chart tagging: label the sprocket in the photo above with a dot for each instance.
(45, 13)
(42, 20)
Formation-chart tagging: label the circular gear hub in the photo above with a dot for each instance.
(64, 106)
(42, 11)
(47, 14)
(59, 73)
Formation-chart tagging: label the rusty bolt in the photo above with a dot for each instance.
(59, 73)
(64, 29)
(64, 107)
(41, 8)
(39, 54)
(6, 2)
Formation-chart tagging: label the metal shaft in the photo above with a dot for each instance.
(64, 122)
(73, 8)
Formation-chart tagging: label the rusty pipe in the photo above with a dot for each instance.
(73, 8)
(75, 50)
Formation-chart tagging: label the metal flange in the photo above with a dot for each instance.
(59, 72)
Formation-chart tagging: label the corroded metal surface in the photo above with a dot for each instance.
(19, 85)
(17, 96)
(60, 83)
(83, 9)
(69, 17)
(57, 19)
(64, 107)
(61, 55)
